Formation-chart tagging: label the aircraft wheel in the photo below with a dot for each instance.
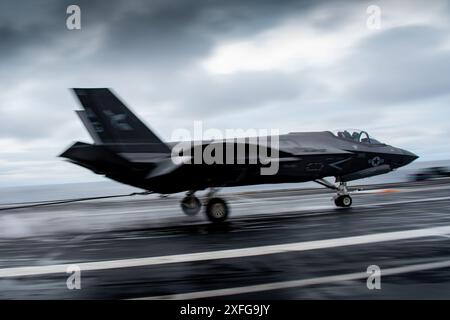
(191, 205)
(344, 201)
(217, 210)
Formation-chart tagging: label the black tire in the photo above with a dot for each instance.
(217, 210)
(191, 205)
(344, 201)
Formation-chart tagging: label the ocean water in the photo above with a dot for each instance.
(105, 188)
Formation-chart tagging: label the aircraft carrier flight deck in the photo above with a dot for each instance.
(279, 244)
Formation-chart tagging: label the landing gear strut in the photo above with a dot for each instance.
(216, 208)
(342, 197)
(190, 204)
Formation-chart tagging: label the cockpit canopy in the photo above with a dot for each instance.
(356, 135)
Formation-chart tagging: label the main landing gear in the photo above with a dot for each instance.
(342, 198)
(216, 209)
(190, 204)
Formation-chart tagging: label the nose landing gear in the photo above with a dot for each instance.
(343, 201)
(342, 198)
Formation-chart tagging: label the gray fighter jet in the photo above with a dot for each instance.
(127, 151)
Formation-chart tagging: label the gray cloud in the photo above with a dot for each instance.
(402, 64)
(229, 93)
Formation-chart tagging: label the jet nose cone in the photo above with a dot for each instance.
(409, 157)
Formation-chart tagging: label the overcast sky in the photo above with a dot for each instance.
(289, 65)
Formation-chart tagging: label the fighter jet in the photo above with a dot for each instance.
(127, 151)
